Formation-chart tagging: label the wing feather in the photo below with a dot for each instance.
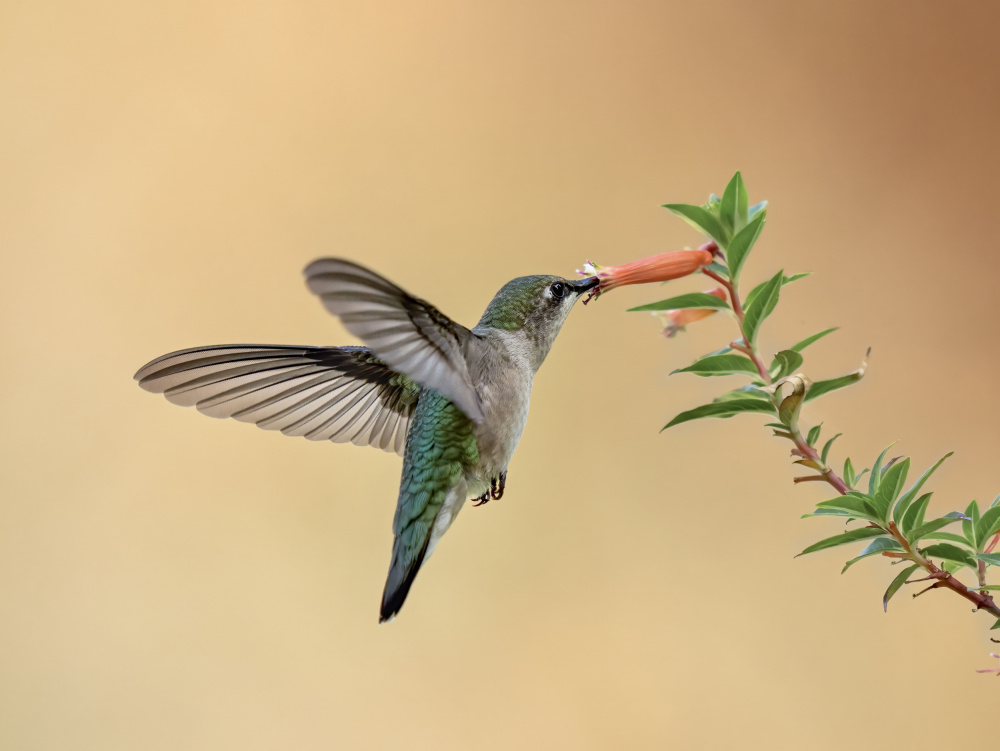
(409, 334)
(340, 394)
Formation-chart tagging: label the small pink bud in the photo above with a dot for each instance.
(661, 268)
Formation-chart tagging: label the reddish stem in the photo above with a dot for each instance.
(734, 298)
(981, 599)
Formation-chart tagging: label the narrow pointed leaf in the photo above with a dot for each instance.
(811, 339)
(690, 300)
(720, 365)
(735, 204)
(760, 307)
(722, 409)
(825, 387)
(828, 512)
(701, 219)
(915, 535)
(747, 392)
(890, 486)
(741, 245)
(907, 498)
(988, 525)
(876, 475)
(843, 539)
(755, 209)
(849, 472)
(877, 546)
(947, 537)
(855, 503)
(969, 523)
(898, 582)
(826, 447)
(948, 552)
(814, 434)
(914, 516)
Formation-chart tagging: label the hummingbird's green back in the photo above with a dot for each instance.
(440, 447)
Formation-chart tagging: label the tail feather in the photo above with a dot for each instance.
(397, 585)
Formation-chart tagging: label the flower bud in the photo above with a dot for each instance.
(675, 320)
(661, 268)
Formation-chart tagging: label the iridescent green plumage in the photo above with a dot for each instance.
(440, 449)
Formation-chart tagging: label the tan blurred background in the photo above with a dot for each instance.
(173, 582)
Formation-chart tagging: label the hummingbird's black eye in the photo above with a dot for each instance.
(558, 290)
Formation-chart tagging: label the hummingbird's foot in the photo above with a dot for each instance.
(497, 485)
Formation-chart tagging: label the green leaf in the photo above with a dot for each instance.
(814, 338)
(722, 409)
(746, 392)
(760, 307)
(824, 387)
(785, 363)
(826, 447)
(890, 486)
(735, 204)
(701, 219)
(843, 539)
(947, 552)
(756, 209)
(988, 525)
(720, 365)
(849, 472)
(915, 535)
(907, 498)
(814, 434)
(690, 300)
(898, 582)
(784, 280)
(991, 558)
(854, 503)
(876, 475)
(995, 625)
(914, 516)
(877, 546)
(741, 245)
(969, 524)
(947, 536)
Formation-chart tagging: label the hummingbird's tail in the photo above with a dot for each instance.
(397, 586)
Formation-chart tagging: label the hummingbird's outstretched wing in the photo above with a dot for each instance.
(341, 394)
(410, 334)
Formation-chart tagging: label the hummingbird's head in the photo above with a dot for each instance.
(536, 306)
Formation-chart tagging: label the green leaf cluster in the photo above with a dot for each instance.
(892, 512)
(891, 518)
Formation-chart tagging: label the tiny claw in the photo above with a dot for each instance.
(497, 486)
(484, 498)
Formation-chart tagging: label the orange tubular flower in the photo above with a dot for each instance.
(675, 320)
(661, 268)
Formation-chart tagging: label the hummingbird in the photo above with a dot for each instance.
(452, 401)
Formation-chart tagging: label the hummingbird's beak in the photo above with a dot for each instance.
(585, 284)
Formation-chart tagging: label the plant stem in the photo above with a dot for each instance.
(981, 599)
(747, 349)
